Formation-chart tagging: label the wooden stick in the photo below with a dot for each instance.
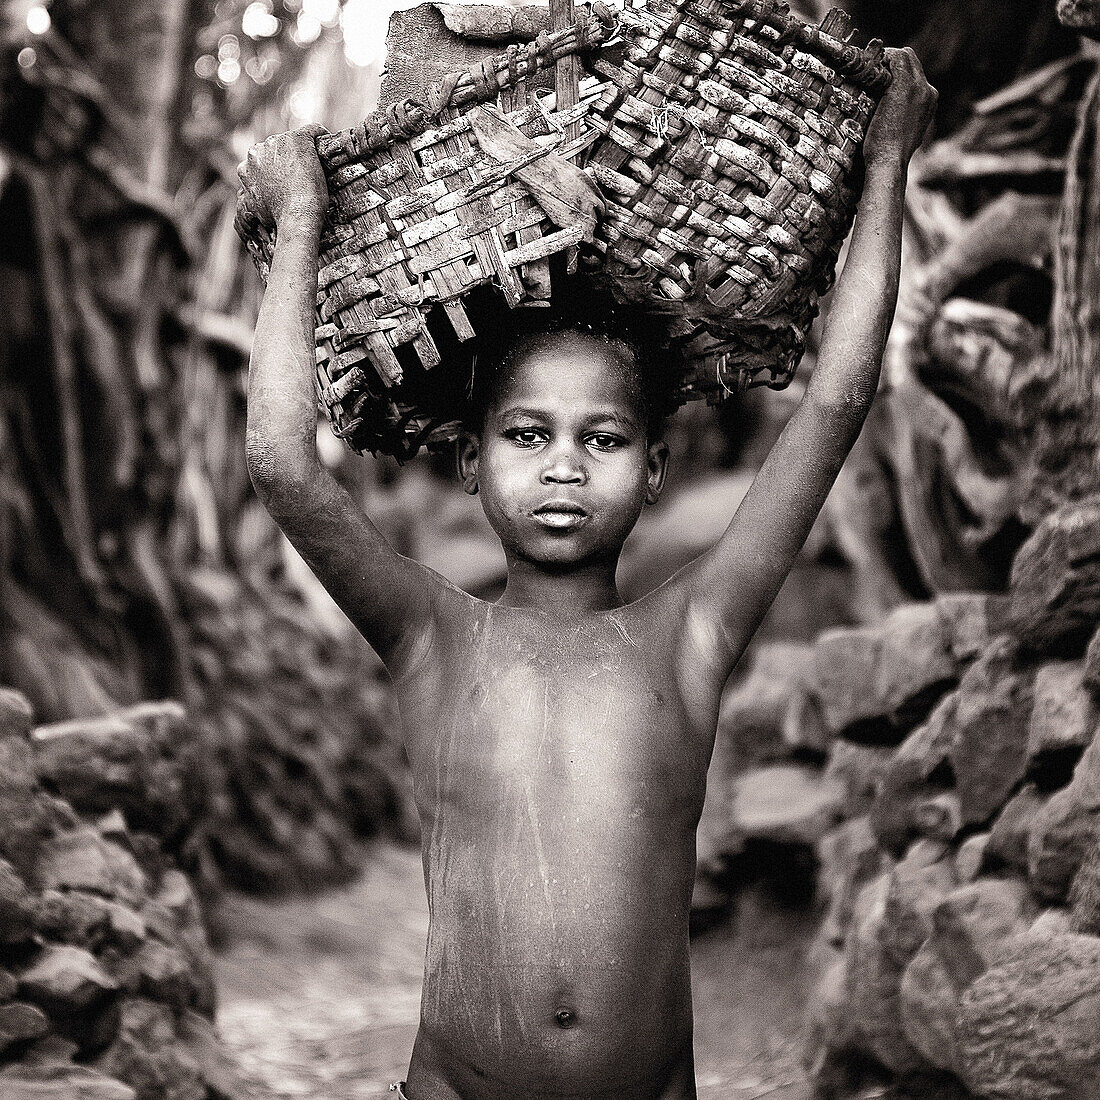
(838, 23)
(562, 15)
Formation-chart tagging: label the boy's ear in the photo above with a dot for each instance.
(657, 461)
(467, 455)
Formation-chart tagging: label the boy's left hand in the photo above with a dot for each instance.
(904, 113)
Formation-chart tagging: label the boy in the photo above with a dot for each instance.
(559, 740)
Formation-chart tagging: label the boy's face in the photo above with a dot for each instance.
(563, 463)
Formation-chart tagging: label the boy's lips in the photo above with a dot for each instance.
(561, 514)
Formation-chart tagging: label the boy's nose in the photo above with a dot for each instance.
(564, 469)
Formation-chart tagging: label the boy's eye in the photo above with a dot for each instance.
(526, 437)
(605, 441)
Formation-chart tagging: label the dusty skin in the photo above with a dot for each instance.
(560, 740)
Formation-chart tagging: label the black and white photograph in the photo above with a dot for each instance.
(550, 550)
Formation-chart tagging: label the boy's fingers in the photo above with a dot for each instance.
(311, 132)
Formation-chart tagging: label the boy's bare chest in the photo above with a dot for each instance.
(585, 710)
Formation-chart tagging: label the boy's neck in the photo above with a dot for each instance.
(580, 590)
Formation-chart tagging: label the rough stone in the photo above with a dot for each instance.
(876, 682)
(165, 974)
(58, 1081)
(28, 819)
(849, 857)
(938, 817)
(488, 22)
(127, 761)
(716, 840)
(52, 1051)
(83, 860)
(127, 927)
(708, 897)
(147, 1056)
(112, 825)
(1064, 716)
(989, 746)
(176, 894)
(970, 858)
(1051, 922)
(16, 906)
(929, 1006)
(88, 920)
(1055, 586)
(859, 769)
(65, 978)
(219, 1070)
(1065, 828)
(1084, 894)
(804, 725)
(971, 620)
(788, 803)
(924, 852)
(1008, 839)
(20, 1022)
(972, 924)
(908, 780)
(873, 985)
(755, 708)
(1061, 835)
(916, 886)
(1028, 1026)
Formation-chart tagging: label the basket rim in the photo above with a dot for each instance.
(480, 84)
(864, 66)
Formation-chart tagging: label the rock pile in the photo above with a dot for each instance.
(961, 943)
(768, 801)
(298, 726)
(106, 989)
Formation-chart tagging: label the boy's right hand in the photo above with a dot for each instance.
(282, 178)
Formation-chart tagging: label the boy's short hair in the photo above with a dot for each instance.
(579, 306)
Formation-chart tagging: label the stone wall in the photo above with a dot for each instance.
(960, 946)
(106, 985)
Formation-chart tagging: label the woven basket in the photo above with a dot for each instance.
(732, 133)
(724, 147)
(420, 216)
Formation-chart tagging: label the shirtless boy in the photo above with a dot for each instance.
(559, 738)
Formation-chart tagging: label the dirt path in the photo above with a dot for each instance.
(320, 996)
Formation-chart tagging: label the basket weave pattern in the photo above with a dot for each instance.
(420, 216)
(732, 132)
(725, 147)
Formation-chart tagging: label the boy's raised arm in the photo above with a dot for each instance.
(387, 596)
(730, 589)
